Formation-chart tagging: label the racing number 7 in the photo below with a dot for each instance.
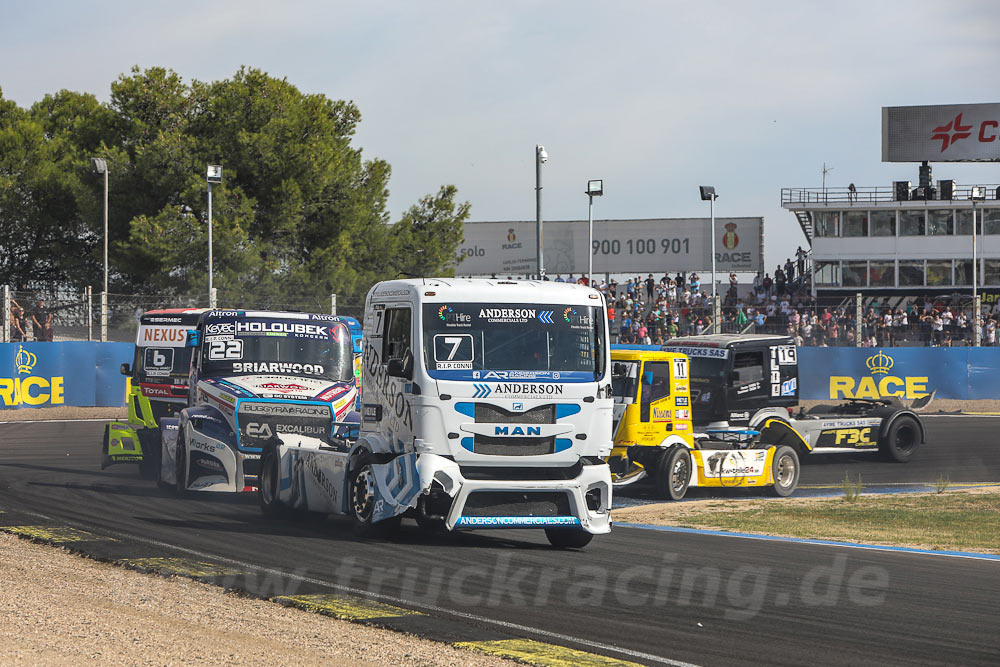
(455, 342)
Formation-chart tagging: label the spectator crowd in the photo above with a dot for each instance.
(30, 325)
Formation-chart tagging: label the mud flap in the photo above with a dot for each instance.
(121, 445)
(397, 486)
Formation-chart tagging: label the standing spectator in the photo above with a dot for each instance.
(990, 332)
(779, 280)
(18, 323)
(800, 260)
(559, 278)
(695, 282)
(767, 283)
(42, 321)
(650, 289)
(679, 280)
(789, 270)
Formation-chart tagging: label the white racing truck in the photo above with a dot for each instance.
(485, 404)
(254, 375)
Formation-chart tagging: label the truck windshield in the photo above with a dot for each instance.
(278, 347)
(624, 380)
(541, 340)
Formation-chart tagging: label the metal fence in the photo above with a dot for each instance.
(60, 314)
(853, 320)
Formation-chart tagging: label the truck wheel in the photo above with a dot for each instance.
(562, 538)
(361, 499)
(785, 470)
(270, 477)
(673, 473)
(150, 463)
(901, 440)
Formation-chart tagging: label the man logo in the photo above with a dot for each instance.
(24, 360)
(729, 239)
(879, 363)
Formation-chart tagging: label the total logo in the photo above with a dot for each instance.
(31, 390)
(879, 364)
(954, 130)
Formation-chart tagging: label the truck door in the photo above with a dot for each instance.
(654, 390)
(748, 387)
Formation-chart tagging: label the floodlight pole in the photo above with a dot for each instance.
(711, 208)
(539, 156)
(105, 230)
(978, 332)
(595, 188)
(210, 304)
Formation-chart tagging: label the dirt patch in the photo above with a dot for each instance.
(61, 609)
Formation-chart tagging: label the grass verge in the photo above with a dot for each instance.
(951, 521)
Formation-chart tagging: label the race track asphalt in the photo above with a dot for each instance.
(646, 596)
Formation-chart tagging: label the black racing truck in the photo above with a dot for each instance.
(739, 381)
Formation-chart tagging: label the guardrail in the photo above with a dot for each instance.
(867, 195)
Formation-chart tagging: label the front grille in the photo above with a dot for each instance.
(517, 503)
(522, 473)
(484, 444)
(163, 409)
(491, 414)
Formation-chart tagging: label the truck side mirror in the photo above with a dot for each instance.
(193, 338)
(734, 376)
(647, 378)
(126, 369)
(395, 368)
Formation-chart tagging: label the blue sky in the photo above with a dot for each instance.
(655, 98)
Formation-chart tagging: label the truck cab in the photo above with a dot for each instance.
(157, 387)
(253, 376)
(485, 404)
(735, 378)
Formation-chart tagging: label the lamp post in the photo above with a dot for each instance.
(977, 193)
(595, 188)
(214, 175)
(101, 167)
(541, 157)
(708, 193)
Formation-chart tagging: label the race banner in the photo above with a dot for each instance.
(36, 375)
(838, 373)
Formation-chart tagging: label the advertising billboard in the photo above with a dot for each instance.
(38, 375)
(941, 133)
(620, 246)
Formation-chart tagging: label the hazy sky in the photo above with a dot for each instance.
(655, 98)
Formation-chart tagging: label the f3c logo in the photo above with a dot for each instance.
(853, 436)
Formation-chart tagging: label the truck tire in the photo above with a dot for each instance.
(562, 538)
(785, 470)
(361, 502)
(901, 440)
(270, 479)
(673, 473)
(149, 466)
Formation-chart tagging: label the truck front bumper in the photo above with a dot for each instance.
(582, 502)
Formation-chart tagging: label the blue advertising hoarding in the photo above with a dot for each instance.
(836, 373)
(35, 375)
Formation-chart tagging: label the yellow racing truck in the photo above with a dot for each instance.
(655, 438)
(158, 388)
